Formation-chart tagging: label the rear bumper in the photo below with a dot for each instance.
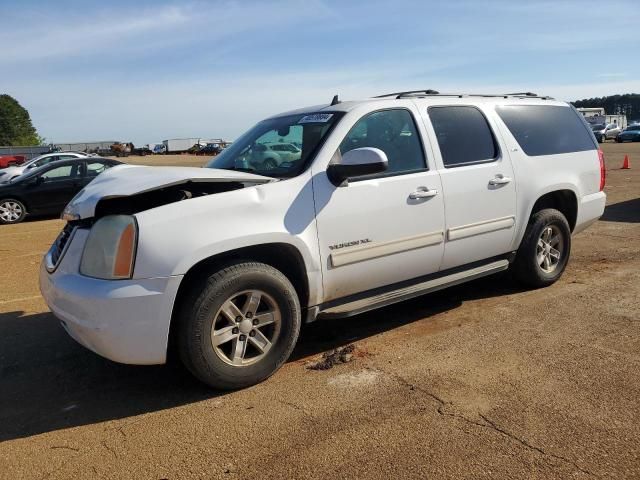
(126, 321)
(590, 210)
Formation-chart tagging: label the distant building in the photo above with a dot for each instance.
(597, 115)
(591, 112)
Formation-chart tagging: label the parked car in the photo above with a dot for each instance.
(390, 198)
(11, 160)
(209, 149)
(629, 134)
(47, 189)
(10, 173)
(270, 155)
(604, 132)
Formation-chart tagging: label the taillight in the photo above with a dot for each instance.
(603, 171)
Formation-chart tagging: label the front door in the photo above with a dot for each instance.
(375, 231)
(56, 188)
(478, 183)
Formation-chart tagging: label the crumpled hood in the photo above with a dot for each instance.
(127, 180)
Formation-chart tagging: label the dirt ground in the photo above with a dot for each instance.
(484, 380)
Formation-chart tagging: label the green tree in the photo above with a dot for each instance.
(627, 104)
(15, 124)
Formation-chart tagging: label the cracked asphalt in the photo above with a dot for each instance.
(483, 380)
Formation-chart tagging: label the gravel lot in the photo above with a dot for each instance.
(484, 380)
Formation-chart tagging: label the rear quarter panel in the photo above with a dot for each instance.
(536, 176)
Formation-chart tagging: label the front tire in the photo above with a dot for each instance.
(240, 326)
(12, 211)
(544, 251)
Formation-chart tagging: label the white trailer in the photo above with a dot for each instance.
(595, 116)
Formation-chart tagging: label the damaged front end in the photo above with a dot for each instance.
(128, 190)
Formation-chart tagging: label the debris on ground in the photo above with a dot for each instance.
(334, 357)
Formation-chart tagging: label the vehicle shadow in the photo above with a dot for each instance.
(48, 382)
(627, 212)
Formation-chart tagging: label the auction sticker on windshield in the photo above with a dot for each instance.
(316, 118)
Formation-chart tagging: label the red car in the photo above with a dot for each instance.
(10, 160)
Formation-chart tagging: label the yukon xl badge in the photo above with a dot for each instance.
(349, 244)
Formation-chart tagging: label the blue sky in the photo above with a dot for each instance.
(149, 70)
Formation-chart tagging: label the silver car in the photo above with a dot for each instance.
(605, 132)
(7, 174)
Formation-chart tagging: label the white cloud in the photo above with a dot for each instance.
(121, 31)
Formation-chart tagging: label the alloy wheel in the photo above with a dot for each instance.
(245, 328)
(10, 211)
(549, 249)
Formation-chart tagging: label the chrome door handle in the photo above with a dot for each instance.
(423, 194)
(499, 180)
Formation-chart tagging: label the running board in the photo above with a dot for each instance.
(383, 299)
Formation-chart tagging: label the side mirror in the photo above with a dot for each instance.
(357, 162)
(36, 181)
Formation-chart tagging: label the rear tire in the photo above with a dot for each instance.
(545, 249)
(240, 326)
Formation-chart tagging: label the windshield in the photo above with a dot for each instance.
(597, 126)
(277, 147)
(634, 127)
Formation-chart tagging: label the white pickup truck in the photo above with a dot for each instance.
(388, 198)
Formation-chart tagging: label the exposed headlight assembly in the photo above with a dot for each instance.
(110, 250)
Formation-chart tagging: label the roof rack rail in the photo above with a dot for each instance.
(522, 94)
(410, 92)
(425, 93)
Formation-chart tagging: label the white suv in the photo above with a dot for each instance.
(391, 198)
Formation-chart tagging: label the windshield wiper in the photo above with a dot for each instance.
(242, 169)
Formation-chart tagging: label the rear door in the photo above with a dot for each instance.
(477, 181)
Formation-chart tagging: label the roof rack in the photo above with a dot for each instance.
(429, 93)
(410, 92)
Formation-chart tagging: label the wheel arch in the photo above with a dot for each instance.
(282, 256)
(564, 200)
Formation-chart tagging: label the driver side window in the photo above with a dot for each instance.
(392, 131)
(64, 172)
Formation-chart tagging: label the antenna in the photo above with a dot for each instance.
(335, 100)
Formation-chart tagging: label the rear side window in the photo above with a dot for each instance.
(546, 130)
(463, 135)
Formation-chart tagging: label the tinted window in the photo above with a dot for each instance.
(546, 130)
(463, 135)
(392, 131)
(64, 172)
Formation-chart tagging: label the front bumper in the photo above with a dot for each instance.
(126, 321)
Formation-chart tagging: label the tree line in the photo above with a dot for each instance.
(16, 128)
(627, 104)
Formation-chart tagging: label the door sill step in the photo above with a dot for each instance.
(388, 298)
